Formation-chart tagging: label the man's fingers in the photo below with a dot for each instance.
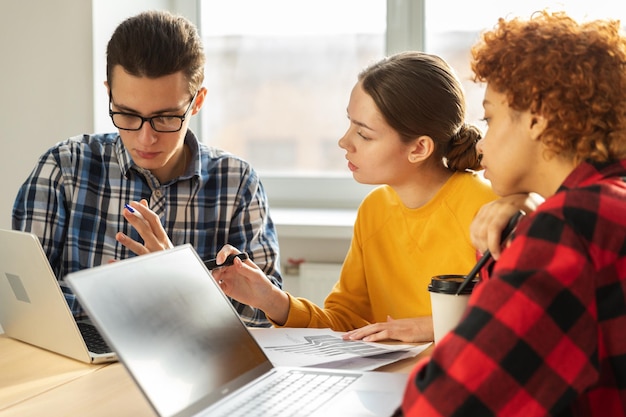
(132, 245)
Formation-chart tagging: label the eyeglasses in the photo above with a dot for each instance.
(165, 123)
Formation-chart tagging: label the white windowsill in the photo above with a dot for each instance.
(313, 223)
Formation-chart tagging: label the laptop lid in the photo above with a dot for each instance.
(177, 333)
(32, 306)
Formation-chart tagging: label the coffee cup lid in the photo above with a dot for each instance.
(449, 284)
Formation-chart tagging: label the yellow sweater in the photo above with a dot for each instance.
(394, 252)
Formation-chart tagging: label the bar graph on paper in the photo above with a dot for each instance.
(329, 346)
(321, 347)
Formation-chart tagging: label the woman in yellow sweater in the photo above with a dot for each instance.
(407, 133)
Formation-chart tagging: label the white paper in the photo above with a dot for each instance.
(326, 348)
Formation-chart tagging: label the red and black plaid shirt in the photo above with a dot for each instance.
(546, 333)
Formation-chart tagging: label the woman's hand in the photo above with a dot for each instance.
(486, 228)
(247, 283)
(414, 330)
(149, 227)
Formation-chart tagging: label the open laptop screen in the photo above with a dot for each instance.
(186, 343)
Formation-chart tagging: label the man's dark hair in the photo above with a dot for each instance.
(155, 44)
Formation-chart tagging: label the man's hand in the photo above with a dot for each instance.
(149, 227)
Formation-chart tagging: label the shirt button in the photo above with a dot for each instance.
(158, 193)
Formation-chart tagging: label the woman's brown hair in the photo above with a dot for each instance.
(418, 94)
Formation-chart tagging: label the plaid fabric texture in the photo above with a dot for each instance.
(545, 334)
(74, 199)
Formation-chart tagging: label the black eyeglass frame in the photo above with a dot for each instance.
(150, 119)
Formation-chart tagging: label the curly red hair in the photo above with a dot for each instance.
(573, 74)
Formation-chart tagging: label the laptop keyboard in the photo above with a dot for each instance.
(295, 393)
(94, 341)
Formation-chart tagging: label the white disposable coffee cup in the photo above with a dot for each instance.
(447, 307)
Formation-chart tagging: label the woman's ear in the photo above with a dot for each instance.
(421, 149)
(538, 124)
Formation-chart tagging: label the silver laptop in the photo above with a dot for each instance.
(33, 308)
(189, 352)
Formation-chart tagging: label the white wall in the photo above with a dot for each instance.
(45, 84)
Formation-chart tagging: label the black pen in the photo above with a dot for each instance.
(487, 254)
(212, 263)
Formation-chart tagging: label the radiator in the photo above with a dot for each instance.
(313, 281)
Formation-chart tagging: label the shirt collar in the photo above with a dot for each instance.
(588, 172)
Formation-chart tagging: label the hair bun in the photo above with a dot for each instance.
(462, 153)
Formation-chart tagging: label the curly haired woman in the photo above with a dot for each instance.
(544, 330)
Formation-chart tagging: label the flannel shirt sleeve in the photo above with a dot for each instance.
(40, 204)
(252, 229)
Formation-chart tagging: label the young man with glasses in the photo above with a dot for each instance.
(97, 198)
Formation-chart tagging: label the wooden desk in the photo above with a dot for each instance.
(27, 371)
(42, 383)
(110, 391)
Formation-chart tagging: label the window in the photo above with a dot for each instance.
(279, 74)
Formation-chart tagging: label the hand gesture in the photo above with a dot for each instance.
(247, 283)
(148, 225)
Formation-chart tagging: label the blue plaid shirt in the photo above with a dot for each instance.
(74, 198)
